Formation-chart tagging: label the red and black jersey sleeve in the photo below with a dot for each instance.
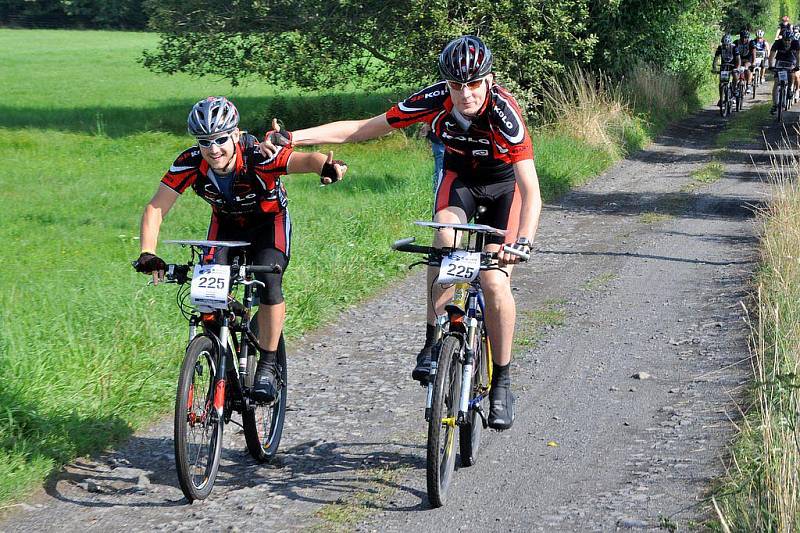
(422, 106)
(183, 171)
(270, 166)
(510, 133)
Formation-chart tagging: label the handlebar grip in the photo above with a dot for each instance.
(416, 249)
(267, 269)
(402, 242)
(514, 251)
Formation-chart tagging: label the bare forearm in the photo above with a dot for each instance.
(344, 131)
(148, 232)
(531, 207)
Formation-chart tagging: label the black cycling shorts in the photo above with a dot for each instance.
(270, 243)
(501, 199)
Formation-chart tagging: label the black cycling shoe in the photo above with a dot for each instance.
(501, 409)
(265, 384)
(423, 368)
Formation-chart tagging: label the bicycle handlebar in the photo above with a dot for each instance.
(405, 245)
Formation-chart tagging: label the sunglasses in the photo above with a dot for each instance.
(471, 85)
(219, 141)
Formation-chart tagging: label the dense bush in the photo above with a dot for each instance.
(675, 35)
(122, 14)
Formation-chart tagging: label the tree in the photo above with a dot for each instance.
(370, 43)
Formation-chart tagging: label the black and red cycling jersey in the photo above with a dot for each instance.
(491, 143)
(257, 189)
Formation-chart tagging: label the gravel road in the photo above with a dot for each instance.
(624, 394)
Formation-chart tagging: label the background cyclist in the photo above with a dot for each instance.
(786, 50)
(759, 52)
(488, 161)
(728, 55)
(745, 60)
(248, 202)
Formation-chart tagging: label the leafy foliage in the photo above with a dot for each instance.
(675, 35)
(127, 14)
(317, 43)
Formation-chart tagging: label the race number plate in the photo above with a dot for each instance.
(459, 267)
(210, 286)
(725, 75)
(783, 75)
(760, 54)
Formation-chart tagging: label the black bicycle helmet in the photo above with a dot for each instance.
(212, 115)
(787, 33)
(465, 59)
(744, 34)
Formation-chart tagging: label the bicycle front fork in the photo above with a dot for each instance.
(466, 372)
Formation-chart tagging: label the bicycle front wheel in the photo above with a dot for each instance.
(198, 428)
(442, 424)
(469, 434)
(263, 423)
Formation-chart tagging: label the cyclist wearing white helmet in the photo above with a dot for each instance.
(759, 52)
(248, 202)
(488, 160)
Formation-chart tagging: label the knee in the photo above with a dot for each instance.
(495, 287)
(443, 237)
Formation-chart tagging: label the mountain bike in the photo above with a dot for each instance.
(460, 378)
(741, 87)
(216, 377)
(725, 89)
(783, 71)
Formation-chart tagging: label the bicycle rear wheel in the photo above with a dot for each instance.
(198, 428)
(263, 423)
(442, 424)
(469, 434)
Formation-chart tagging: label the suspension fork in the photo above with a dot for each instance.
(441, 321)
(469, 357)
(219, 379)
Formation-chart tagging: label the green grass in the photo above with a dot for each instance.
(88, 351)
(745, 128)
(533, 323)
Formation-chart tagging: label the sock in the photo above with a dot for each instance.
(429, 332)
(269, 356)
(501, 375)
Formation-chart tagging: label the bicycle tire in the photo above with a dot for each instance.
(469, 434)
(728, 102)
(263, 424)
(781, 106)
(441, 449)
(739, 96)
(197, 461)
(722, 101)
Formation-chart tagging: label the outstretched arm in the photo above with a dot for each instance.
(345, 131)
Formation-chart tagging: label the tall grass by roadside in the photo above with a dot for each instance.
(616, 117)
(761, 490)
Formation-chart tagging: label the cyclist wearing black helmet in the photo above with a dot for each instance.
(787, 51)
(488, 161)
(728, 54)
(248, 202)
(744, 52)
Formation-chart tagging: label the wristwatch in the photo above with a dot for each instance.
(523, 241)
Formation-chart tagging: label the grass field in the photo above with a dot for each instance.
(88, 352)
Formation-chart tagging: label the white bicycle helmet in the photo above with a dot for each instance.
(212, 115)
